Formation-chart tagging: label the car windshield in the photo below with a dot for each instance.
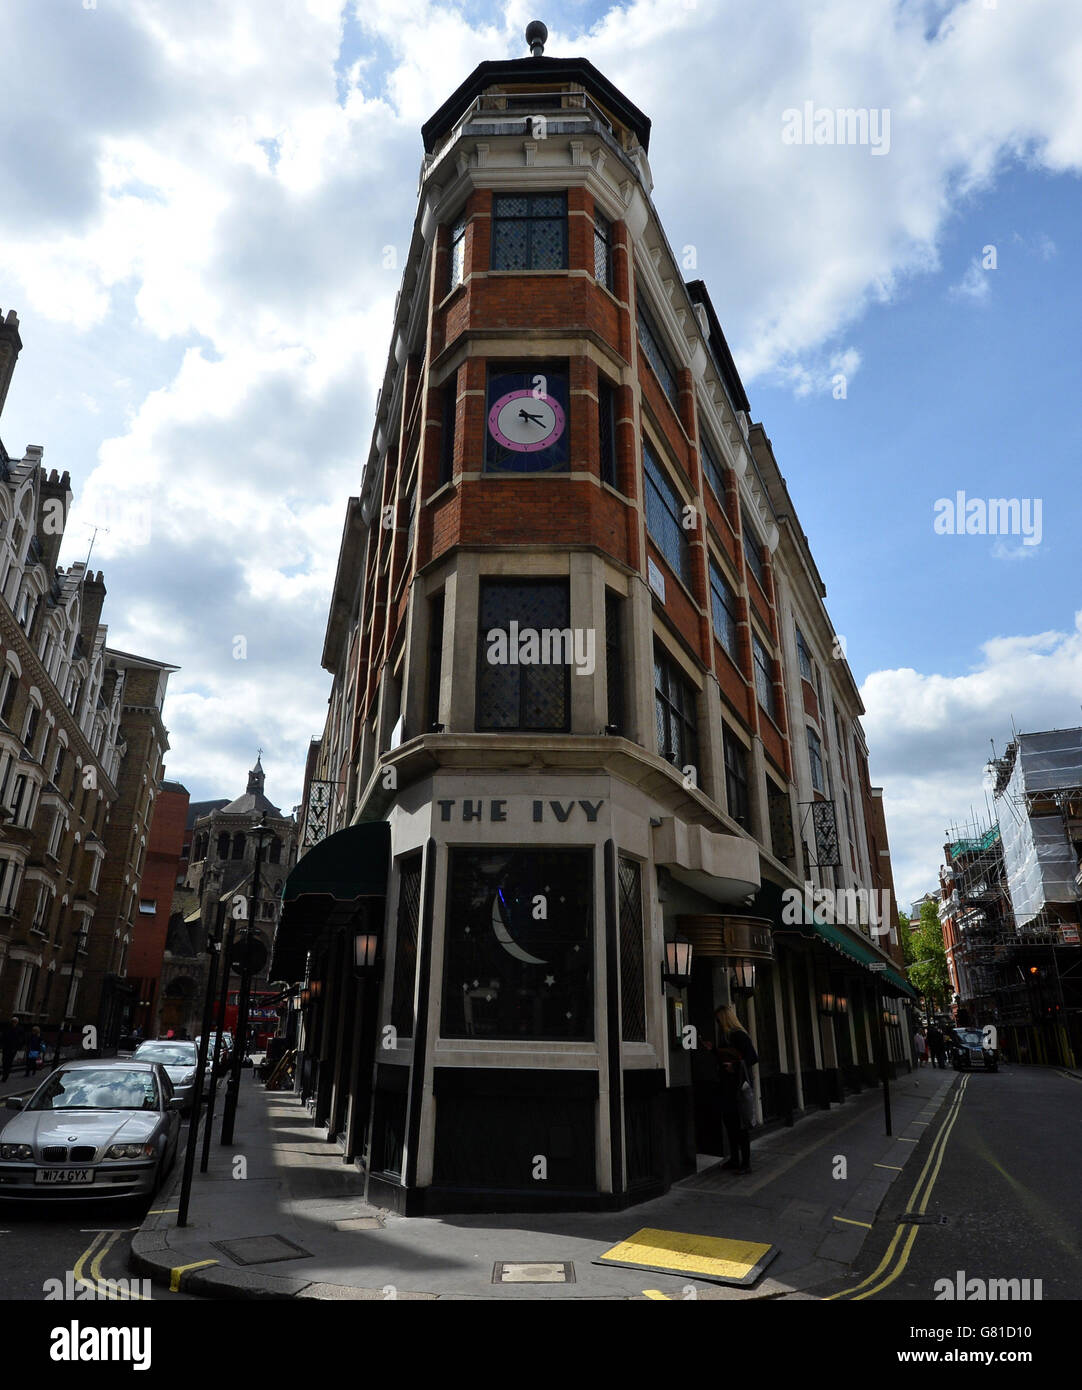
(970, 1039)
(97, 1088)
(169, 1054)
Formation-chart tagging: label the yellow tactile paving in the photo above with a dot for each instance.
(679, 1252)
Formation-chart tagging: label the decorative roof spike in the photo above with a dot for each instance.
(536, 34)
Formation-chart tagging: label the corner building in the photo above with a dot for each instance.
(586, 701)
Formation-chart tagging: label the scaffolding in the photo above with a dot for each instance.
(977, 903)
(1038, 796)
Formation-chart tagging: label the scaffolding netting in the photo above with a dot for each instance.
(1041, 862)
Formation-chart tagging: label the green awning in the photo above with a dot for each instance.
(845, 943)
(350, 864)
(336, 884)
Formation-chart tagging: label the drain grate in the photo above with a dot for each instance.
(260, 1250)
(533, 1272)
(920, 1218)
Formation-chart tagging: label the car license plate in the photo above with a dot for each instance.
(64, 1175)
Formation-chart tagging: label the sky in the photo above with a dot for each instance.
(196, 201)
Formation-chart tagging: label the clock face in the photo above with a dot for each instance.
(527, 421)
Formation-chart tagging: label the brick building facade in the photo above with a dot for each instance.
(563, 448)
(81, 743)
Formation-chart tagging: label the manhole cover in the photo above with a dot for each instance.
(260, 1250)
(920, 1218)
(533, 1272)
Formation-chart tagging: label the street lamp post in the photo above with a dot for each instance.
(259, 833)
(214, 946)
(80, 943)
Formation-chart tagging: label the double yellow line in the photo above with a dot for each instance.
(100, 1246)
(898, 1251)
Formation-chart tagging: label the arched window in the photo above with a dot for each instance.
(223, 846)
(238, 846)
(276, 850)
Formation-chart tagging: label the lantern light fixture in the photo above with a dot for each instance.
(677, 967)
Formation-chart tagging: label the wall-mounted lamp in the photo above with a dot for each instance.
(841, 1006)
(677, 968)
(744, 977)
(365, 947)
(826, 1001)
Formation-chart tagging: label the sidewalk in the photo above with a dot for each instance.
(298, 1190)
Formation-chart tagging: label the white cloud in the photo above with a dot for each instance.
(929, 737)
(973, 285)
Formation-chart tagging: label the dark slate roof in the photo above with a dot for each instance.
(174, 787)
(524, 70)
(198, 809)
(251, 803)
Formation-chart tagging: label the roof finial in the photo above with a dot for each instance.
(536, 34)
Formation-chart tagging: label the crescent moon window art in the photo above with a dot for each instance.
(518, 954)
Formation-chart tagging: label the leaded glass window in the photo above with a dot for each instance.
(664, 516)
(614, 663)
(753, 553)
(405, 951)
(511, 972)
(632, 979)
(764, 677)
(803, 659)
(655, 353)
(781, 821)
(524, 655)
(736, 777)
(712, 470)
(529, 231)
(606, 426)
(458, 252)
(447, 434)
(674, 707)
(726, 611)
(815, 758)
(602, 249)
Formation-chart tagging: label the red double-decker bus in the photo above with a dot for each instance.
(262, 1017)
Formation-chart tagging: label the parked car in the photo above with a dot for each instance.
(225, 1053)
(968, 1051)
(180, 1058)
(100, 1130)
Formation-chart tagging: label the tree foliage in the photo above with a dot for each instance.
(926, 957)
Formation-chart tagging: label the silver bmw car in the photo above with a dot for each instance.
(91, 1130)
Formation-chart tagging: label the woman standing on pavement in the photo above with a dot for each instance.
(736, 1056)
(920, 1047)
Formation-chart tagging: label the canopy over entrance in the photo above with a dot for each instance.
(333, 886)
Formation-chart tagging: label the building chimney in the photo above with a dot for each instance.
(10, 347)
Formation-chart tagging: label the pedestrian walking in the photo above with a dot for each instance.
(920, 1047)
(12, 1040)
(736, 1056)
(35, 1050)
(936, 1047)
